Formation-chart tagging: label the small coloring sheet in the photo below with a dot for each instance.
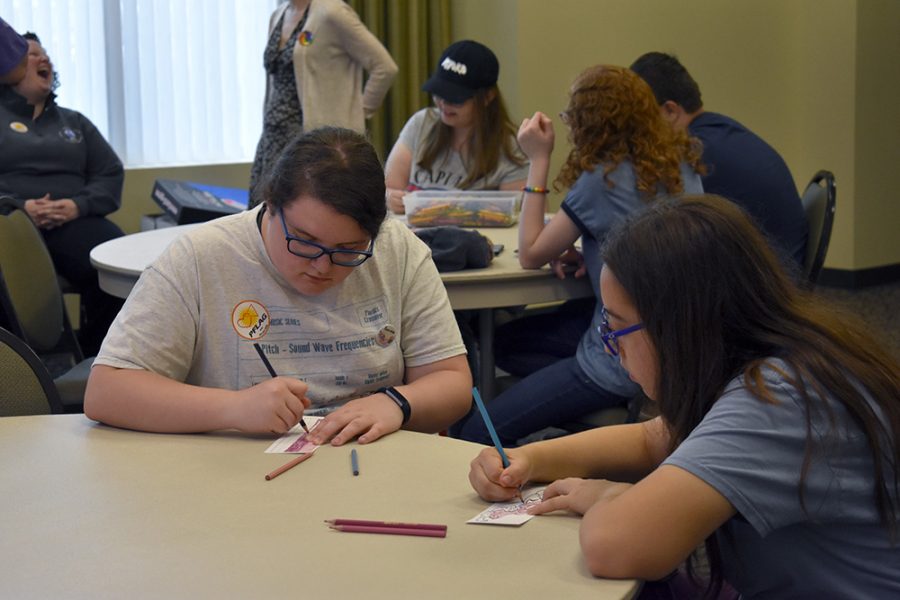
(294, 441)
(510, 513)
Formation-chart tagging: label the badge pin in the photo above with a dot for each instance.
(306, 38)
(18, 127)
(250, 319)
(70, 135)
(385, 336)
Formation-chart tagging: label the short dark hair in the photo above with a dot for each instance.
(669, 80)
(336, 166)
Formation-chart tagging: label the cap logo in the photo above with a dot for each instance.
(449, 64)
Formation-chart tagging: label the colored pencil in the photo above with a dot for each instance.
(390, 530)
(289, 465)
(394, 524)
(490, 427)
(271, 371)
(354, 462)
(493, 433)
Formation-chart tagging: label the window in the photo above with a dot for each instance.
(167, 82)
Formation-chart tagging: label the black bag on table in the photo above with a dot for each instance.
(455, 249)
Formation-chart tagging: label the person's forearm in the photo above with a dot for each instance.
(137, 399)
(531, 221)
(437, 400)
(617, 452)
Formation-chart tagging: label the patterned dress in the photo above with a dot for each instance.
(283, 118)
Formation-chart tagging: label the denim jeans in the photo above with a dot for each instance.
(528, 344)
(551, 397)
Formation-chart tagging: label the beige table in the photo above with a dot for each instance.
(121, 261)
(95, 512)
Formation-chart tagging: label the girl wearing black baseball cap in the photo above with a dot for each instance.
(467, 140)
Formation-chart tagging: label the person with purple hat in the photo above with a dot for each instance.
(13, 55)
(466, 141)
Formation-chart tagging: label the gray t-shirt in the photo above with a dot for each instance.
(752, 452)
(449, 171)
(596, 208)
(196, 311)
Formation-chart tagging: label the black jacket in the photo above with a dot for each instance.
(61, 153)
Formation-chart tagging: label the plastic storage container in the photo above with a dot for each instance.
(462, 208)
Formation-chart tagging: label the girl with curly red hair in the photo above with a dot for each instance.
(623, 156)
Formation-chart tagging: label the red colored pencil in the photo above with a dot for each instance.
(288, 465)
(391, 530)
(394, 524)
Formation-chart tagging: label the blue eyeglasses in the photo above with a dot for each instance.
(611, 337)
(309, 249)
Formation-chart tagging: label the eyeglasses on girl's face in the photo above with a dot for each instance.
(308, 249)
(610, 336)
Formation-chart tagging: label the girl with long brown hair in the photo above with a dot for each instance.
(777, 440)
(466, 141)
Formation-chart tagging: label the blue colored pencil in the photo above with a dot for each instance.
(354, 462)
(490, 427)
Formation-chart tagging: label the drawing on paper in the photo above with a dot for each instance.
(510, 513)
(301, 445)
(295, 441)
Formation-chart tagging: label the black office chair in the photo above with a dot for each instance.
(25, 385)
(32, 303)
(818, 199)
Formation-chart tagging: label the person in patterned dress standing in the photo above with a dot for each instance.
(317, 53)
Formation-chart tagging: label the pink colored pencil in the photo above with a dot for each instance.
(393, 524)
(391, 530)
(289, 465)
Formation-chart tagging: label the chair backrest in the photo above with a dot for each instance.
(819, 200)
(29, 291)
(25, 385)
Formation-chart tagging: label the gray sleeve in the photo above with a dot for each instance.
(157, 328)
(752, 452)
(412, 133)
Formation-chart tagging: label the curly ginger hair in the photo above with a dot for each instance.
(613, 116)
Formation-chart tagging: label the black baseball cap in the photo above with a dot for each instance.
(464, 68)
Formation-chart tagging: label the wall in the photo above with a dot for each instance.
(877, 135)
(805, 75)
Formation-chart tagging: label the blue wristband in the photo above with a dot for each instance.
(400, 399)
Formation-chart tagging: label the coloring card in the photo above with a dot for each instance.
(510, 513)
(294, 441)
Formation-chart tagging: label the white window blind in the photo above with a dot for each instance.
(168, 82)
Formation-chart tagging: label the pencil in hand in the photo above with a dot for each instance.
(271, 371)
(493, 433)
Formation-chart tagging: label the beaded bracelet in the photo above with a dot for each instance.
(535, 190)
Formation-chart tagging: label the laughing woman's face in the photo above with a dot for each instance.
(38, 81)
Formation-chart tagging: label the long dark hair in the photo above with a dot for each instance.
(492, 134)
(716, 305)
(336, 166)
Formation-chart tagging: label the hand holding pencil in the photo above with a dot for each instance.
(504, 459)
(271, 370)
(272, 406)
(496, 483)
